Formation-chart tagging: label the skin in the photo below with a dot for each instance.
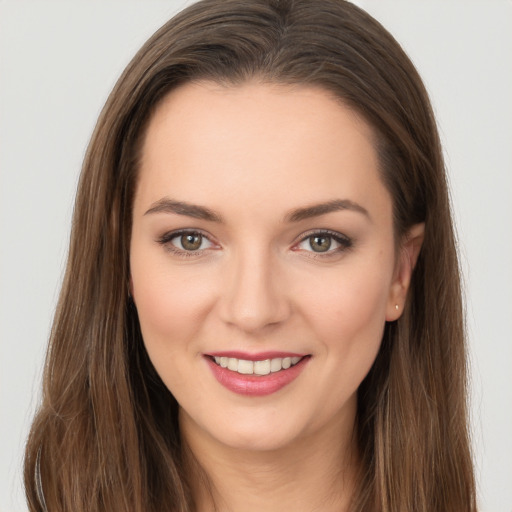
(252, 154)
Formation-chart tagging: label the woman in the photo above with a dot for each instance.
(261, 309)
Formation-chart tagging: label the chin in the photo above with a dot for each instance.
(253, 431)
(259, 440)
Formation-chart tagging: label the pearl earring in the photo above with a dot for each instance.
(396, 307)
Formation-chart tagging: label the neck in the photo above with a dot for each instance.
(311, 474)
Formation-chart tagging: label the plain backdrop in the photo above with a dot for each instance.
(58, 62)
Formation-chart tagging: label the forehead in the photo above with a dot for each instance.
(259, 143)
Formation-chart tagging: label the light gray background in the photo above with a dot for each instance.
(58, 62)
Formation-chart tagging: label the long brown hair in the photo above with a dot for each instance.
(106, 436)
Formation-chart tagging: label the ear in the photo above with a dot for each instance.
(406, 261)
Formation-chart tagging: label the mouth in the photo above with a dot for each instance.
(256, 375)
(258, 367)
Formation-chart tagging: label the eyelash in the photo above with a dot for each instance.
(345, 243)
(166, 239)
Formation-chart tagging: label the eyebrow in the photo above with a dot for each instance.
(316, 210)
(167, 205)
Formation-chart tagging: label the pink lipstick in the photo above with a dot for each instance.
(258, 374)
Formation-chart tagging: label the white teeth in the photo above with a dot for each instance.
(265, 367)
(262, 367)
(245, 367)
(275, 365)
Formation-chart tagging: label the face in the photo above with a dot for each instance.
(263, 262)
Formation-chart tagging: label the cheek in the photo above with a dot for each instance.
(170, 303)
(348, 313)
(170, 308)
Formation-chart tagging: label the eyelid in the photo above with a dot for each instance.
(344, 241)
(166, 238)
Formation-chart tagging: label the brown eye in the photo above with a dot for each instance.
(320, 243)
(191, 241)
(186, 242)
(325, 243)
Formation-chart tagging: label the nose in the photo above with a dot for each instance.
(254, 297)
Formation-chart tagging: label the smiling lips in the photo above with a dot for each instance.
(256, 375)
(265, 367)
